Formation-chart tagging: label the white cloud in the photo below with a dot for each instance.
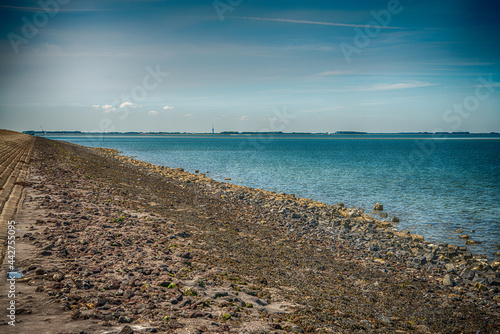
(332, 73)
(188, 115)
(108, 108)
(243, 118)
(129, 105)
(153, 113)
(168, 108)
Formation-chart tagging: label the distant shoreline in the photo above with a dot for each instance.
(287, 135)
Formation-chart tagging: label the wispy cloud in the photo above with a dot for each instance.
(38, 9)
(403, 85)
(336, 24)
(461, 63)
(319, 110)
(491, 84)
(168, 108)
(243, 118)
(372, 103)
(327, 73)
(377, 87)
(153, 113)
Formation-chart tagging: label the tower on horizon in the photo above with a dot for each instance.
(213, 129)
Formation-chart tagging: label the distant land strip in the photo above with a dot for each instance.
(461, 133)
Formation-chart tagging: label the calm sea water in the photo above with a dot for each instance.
(434, 186)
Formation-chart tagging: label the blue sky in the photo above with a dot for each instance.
(316, 66)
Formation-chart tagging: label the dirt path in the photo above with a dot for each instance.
(15, 152)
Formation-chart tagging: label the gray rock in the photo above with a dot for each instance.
(40, 271)
(430, 256)
(447, 281)
(126, 330)
(128, 294)
(125, 320)
(467, 255)
(492, 281)
(383, 319)
(479, 279)
(450, 268)
(366, 324)
(467, 274)
(260, 302)
(186, 255)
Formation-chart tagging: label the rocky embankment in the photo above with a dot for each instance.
(121, 246)
(368, 238)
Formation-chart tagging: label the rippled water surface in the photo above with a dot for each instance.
(434, 186)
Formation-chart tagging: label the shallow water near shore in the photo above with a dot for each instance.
(435, 187)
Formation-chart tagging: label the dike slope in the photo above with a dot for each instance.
(15, 152)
